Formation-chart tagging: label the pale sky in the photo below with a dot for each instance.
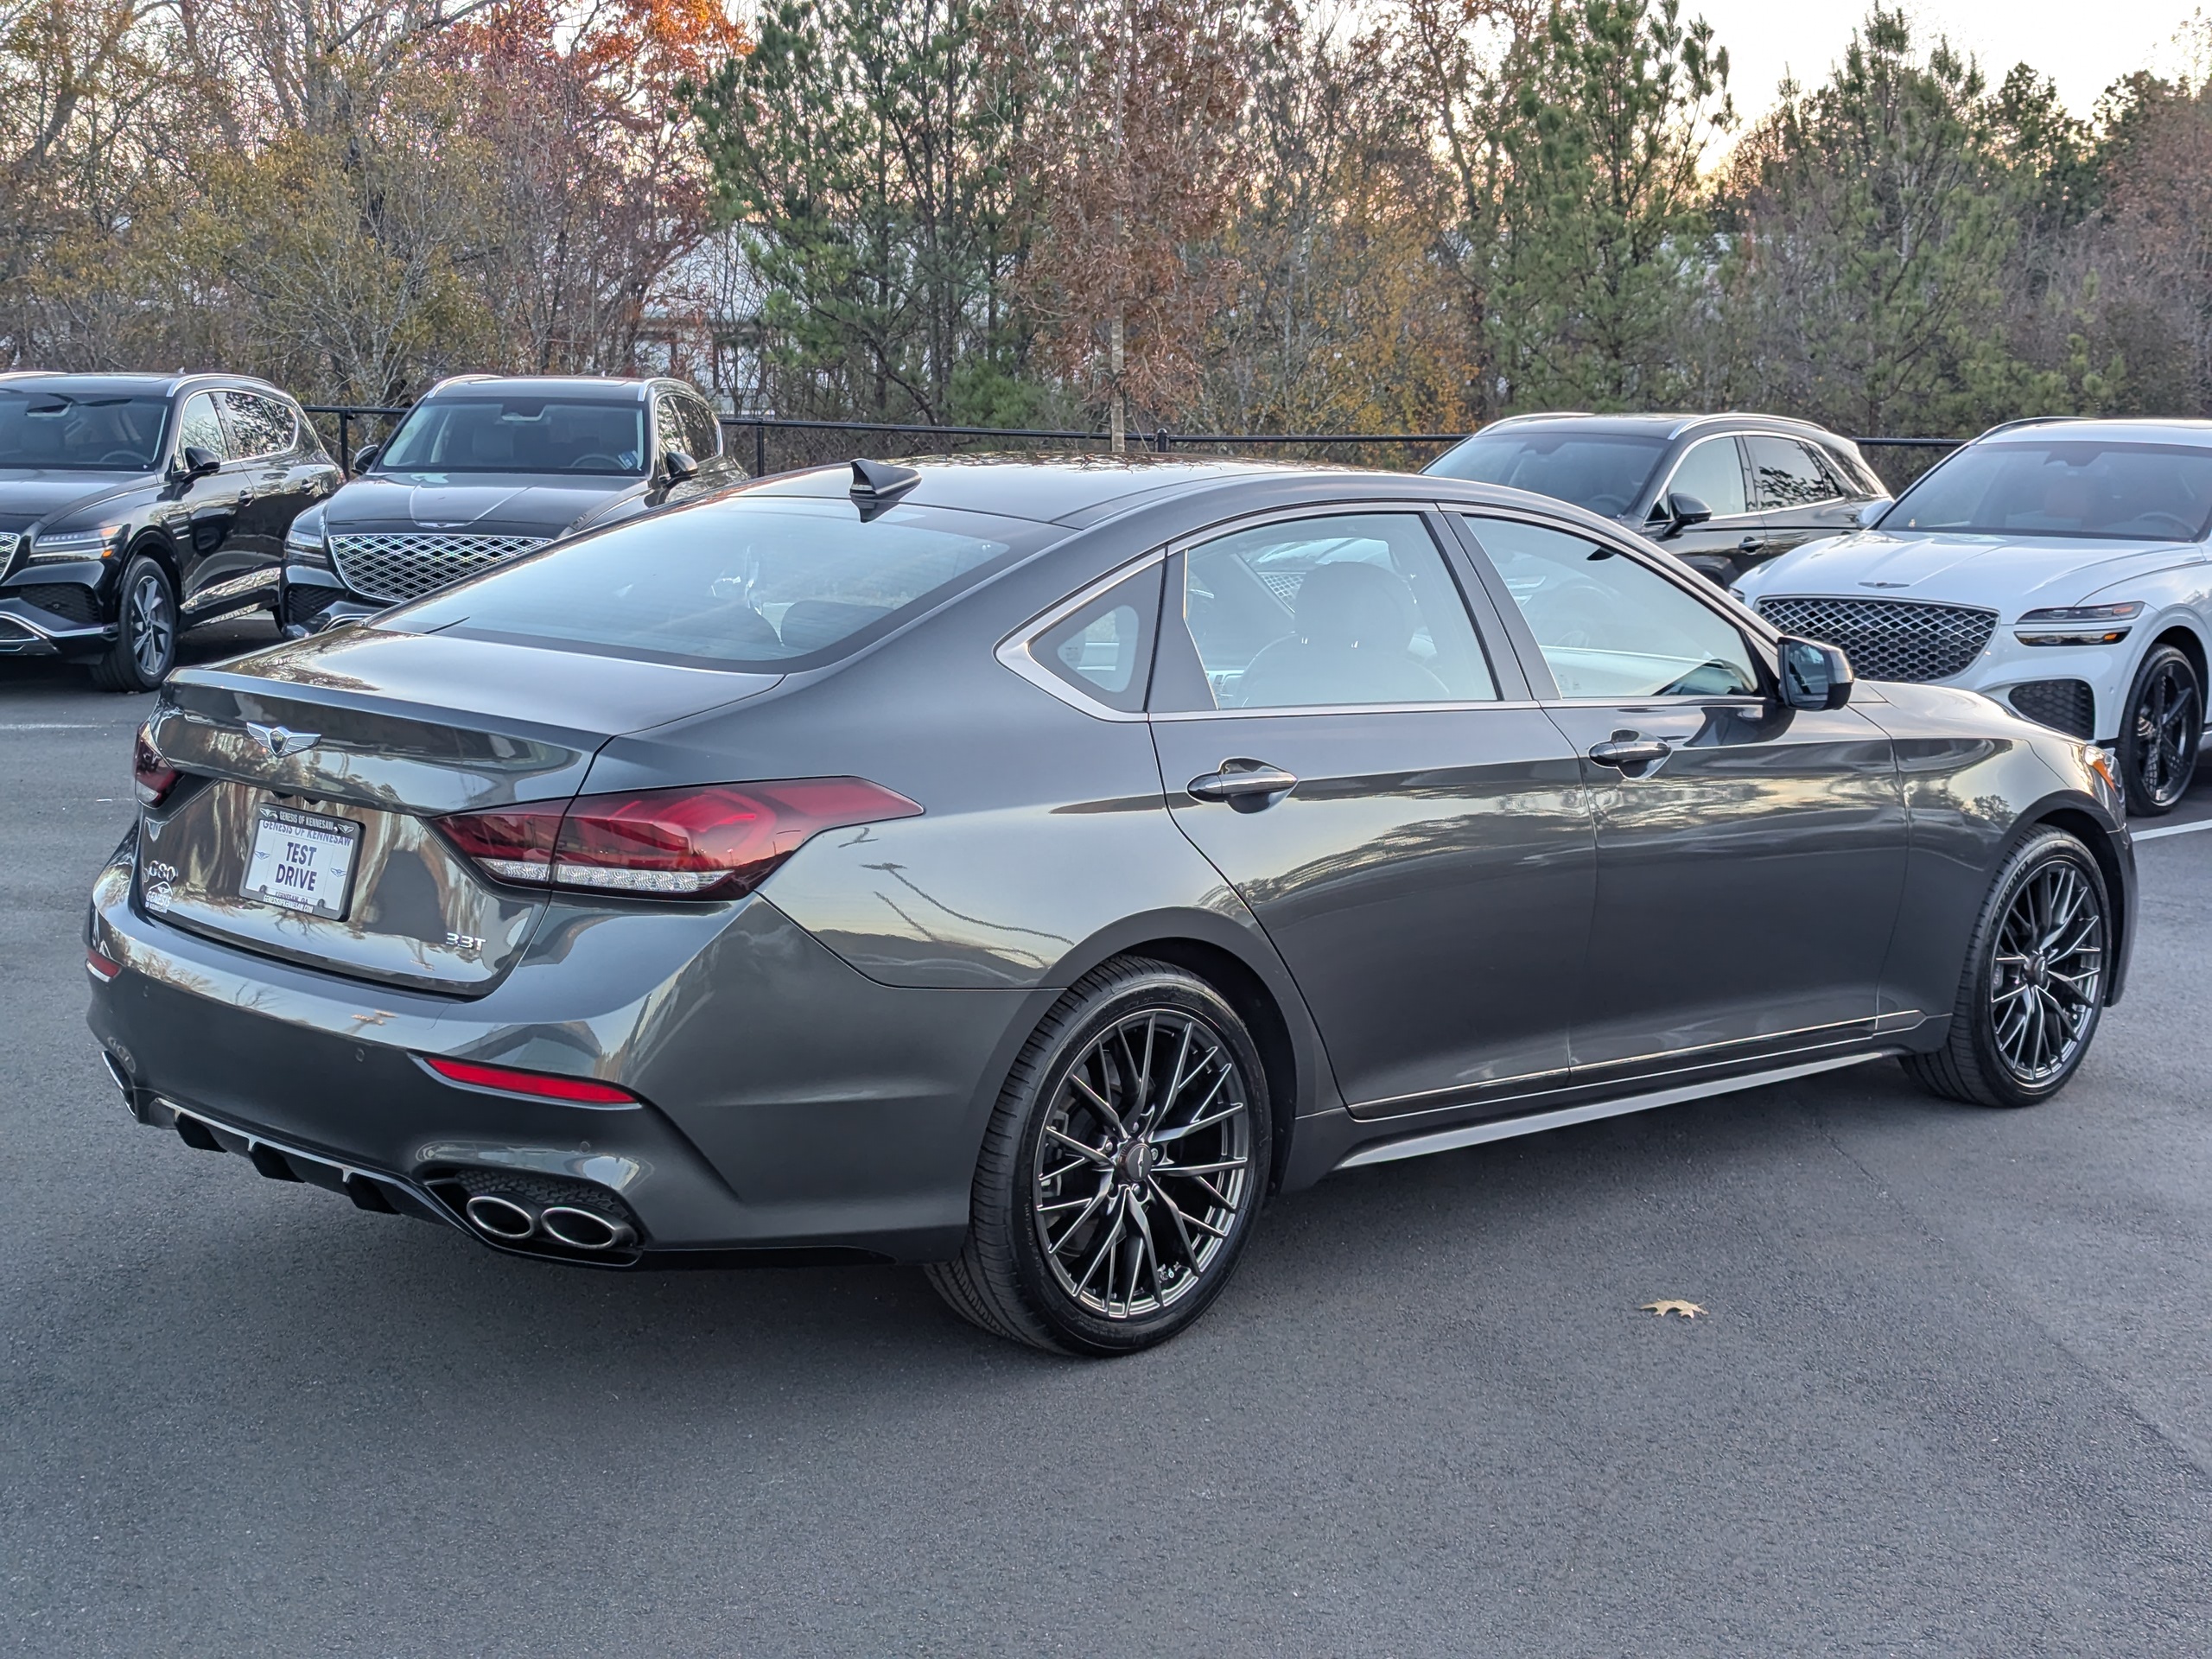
(2084, 45)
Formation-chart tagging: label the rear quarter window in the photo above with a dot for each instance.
(764, 584)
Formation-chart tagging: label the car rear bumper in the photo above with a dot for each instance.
(786, 1102)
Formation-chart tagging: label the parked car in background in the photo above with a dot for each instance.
(2062, 567)
(133, 506)
(1724, 492)
(790, 870)
(487, 468)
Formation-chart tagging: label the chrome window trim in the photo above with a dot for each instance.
(1014, 651)
(1458, 706)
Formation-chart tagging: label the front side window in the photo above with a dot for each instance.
(1607, 626)
(1315, 613)
(2132, 492)
(1712, 472)
(517, 434)
(1788, 474)
(200, 428)
(257, 426)
(1604, 471)
(746, 581)
(668, 426)
(80, 432)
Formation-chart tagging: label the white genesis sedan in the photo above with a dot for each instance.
(2060, 567)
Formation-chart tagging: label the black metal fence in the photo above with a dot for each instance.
(774, 443)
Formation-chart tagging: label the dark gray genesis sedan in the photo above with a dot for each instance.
(1026, 869)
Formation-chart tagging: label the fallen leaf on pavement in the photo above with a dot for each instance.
(1687, 1310)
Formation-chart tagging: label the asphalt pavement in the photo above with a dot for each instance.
(1953, 1394)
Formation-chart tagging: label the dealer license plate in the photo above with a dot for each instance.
(301, 860)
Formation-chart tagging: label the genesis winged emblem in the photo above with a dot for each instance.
(281, 740)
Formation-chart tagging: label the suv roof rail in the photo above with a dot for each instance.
(2027, 420)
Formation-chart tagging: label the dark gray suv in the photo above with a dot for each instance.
(1723, 493)
(1026, 869)
(486, 469)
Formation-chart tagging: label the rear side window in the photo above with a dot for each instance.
(758, 582)
(257, 426)
(1105, 650)
(1356, 609)
(701, 428)
(1788, 474)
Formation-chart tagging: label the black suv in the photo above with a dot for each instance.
(135, 505)
(1723, 491)
(487, 468)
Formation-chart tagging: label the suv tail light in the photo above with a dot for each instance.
(151, 776)
(715, 841)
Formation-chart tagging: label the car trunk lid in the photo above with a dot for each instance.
(353, 741)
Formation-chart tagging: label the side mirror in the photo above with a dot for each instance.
(1815, 676)
(1872, 510)
(679, 466)
(365, 456)
(1682, 511)
(198, 462)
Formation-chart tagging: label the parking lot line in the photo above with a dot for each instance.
(2173, 829)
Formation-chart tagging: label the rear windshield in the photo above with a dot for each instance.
(1604, 471)
(517, 434)
(2093, 487)
(80, 434)
(767, 583)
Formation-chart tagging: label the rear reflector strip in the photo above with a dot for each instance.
(543, 1085)
(101, 966)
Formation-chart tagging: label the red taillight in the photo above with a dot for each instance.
(546, 1085)
(100, 965)
(151, 776)
(712, 842)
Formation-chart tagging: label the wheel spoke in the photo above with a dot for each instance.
(1073, 1145)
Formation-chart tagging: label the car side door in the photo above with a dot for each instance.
(1373, 781)
(275, 485)
(1751, 856)
(1712, 472)
(204, 524)
(1800, 493)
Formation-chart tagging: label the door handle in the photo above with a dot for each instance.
(1750, 544)
(1247, 786)
(1626, 752)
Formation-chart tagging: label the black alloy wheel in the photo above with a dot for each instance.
(1122, 1170)
(145, 642)
(2159, 732)
(2034, 986)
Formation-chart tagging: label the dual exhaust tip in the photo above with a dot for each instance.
(512, 1221)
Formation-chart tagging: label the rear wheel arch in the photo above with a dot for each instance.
(1236, 962)
(1244, 990)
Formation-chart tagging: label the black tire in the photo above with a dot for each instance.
(2159, 731)
(146, 629)
(1979, 1063)
(1008, 1278)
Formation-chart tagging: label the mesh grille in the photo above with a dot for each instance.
(8, 542)
(2067, 706)
(1888, 639)
(399, 567)
(62, 599)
